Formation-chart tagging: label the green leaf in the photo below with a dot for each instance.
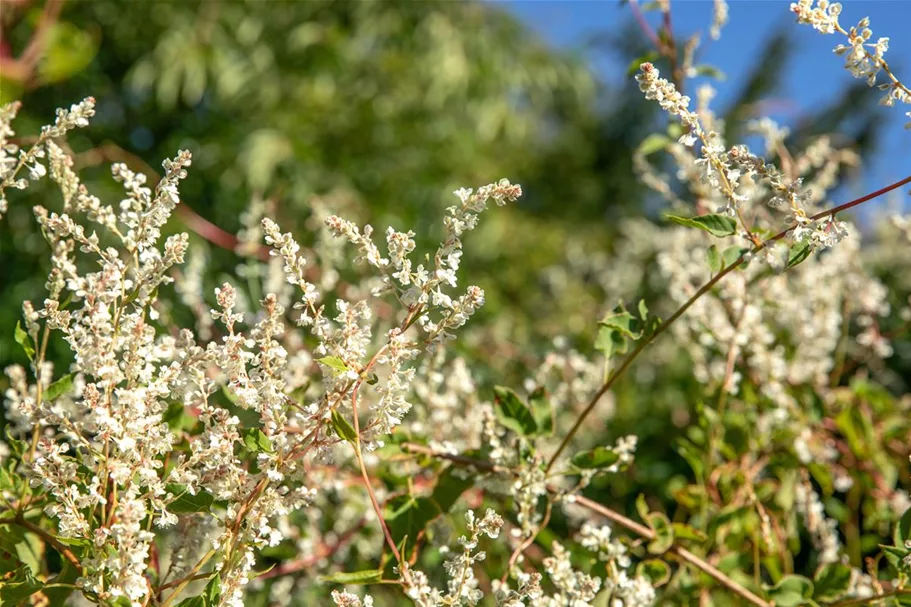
(710, 71)
(903, 529)
(731, 255)
(367, 576)
(895, 556)
(343, 428)
(798, 252)
(58, 388)
(664, 533)
(17, 447)
(449, 488)
(68, 51)
(831, 582)
(23, 546)
(15, 589)
(335, 363)
(513, 413)
(682, 531)
(542, 411)
(186, 503)
(653, 143)
(261, 572)
(256, 441)
(656, 571)
(407, 515)
(24, 340)
(716, 225)
(212, 593)
(714, 259)
(642, 507)
(616, 327)
(176, 417)
(791, 591)
(623, 322)
(194, 601)
(599, 457)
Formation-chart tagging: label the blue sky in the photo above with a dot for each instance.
(815, 73)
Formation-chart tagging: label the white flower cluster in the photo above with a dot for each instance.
(864, 59)
(462, 587)
(101, 446)
(13, 159)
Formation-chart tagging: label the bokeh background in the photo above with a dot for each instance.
(383, 108)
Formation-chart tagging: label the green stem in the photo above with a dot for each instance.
(686, 306)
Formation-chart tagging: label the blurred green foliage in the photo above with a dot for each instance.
(384, 106)
(387, 106)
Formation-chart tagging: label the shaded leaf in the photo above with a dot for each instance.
(714, 259)
(513, 413)
(449, 488)
(256, 441)
(343, 428)
(599, 457)
(67, 52)
(664, 533)
(656, 571)
(831, 581)
(615, 328)
(903, 529)
(730, 255)
(649, 57)
(59, 388)
(716, 225)
(24, 340)
(185, 502)
(653, 143)
(542, 411)
(682, 531)
(212, 592)
(709, 71)
(367, 576)
(15, 589)
(335, 363)
(798, 252)
(407, 515)
(791, 591)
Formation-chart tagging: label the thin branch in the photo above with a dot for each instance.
(679, 551)
(21, 521)
(614, 376)
(23, 69)
(643, 24)
(198, 224)
(613, 516)
(870, 599)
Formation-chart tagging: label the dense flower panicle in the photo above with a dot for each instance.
(666, 94)
(863, 58)
(142, 213)
(163, 455)
(823, 17)
(8, 151)
(76, 117)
